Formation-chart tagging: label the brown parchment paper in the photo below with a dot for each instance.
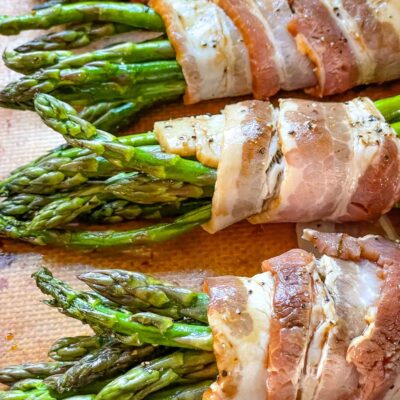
(27, 327)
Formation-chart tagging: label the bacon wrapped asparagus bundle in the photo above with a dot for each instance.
(224, 48)
(308, 328)
(301, 162)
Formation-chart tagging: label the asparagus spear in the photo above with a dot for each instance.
(122, 210)
(133, 14)
(110, 211)
(74, 36)
(389, 107)
(137, 328)
(74, 348)
(186, 392)
(64, 168)
(63, 118)
(145, 379)
(34, 389)
(128, 52)
(107, 361)
(14, 229)
(15, 373)
(27, 63)
(62, 211)
(135, 187)
(82, 96)
(122, 115)
(145, 293)
(50, 79)
(23, 205)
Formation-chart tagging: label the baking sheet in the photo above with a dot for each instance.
(27, 327)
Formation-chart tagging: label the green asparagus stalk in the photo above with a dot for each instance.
(135, 15)
(128, 52)
(14, 229)
(125, 75)
(95, 111)
(108, 361)
(389, 107)
(15, 373)
(396, 127)
(82, 96)
(27, 390)
(74, 348)
(145, 379)
(23, 205)
(122, 115)
(134, 187)
(66, 168)
(143, 189)
(73, 37)
(80, 133)
(142, 292)
(138, 328)
(36, 389)
(62, 211)
(186, 392)
(27, 63)
(121, 210)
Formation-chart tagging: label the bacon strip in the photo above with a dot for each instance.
(342, 163)
(319, 36)
(292, 303)
(275, 61)
(308, 161)
(208, 47)
(239, 315)
(376, 353)
(241, 184)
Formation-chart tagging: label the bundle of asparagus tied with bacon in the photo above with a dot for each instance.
(151, 341)
(296, 163)
(305, 328)
(213, 49)
(108, 86)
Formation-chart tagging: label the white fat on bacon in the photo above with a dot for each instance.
(344, 303)
(239, 315)
(208, 47)
(295, 69)
(241, 185)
